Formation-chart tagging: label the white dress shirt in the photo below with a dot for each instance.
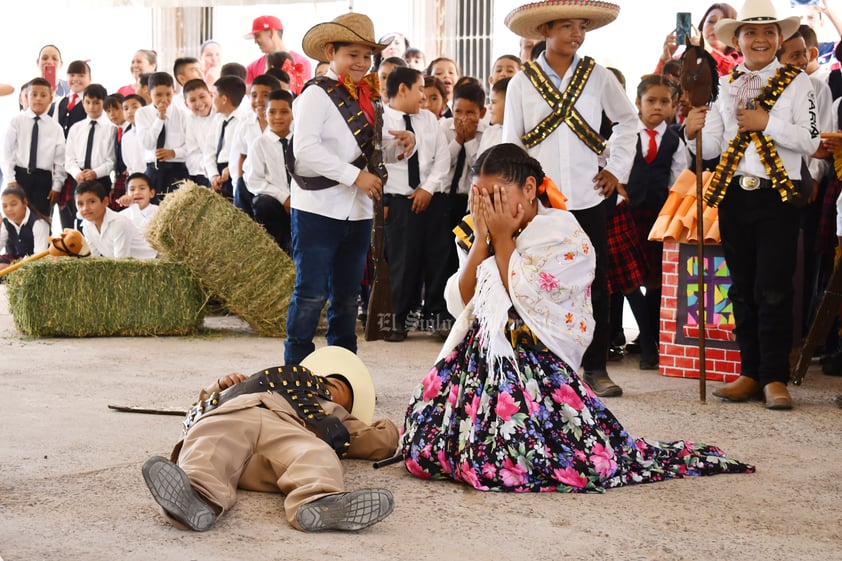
(265, 173)
(792, 124)
(209, 155)
(491, 136)
(140, 217)
(102, 153)
(565, 158)
(324, 146)
(117, 237)
(471, 153)
(133, 151)
(431, 147)
(40, 233)
(149, 127)
(824, 119)
(17, 142)
(199, 130)
(247, 132)
(679, 157)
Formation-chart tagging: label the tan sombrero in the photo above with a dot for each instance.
(347, 28)
(526, 20)
(758, 12)
(339, 362)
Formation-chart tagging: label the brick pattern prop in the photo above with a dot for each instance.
(97, 297)
(233, 256)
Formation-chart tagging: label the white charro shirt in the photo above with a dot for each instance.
(564, 157)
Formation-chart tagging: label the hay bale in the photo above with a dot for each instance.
(95, 297)
(232, 255)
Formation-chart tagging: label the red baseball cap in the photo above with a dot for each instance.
(263, 23)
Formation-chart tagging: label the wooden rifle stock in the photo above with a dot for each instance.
(380, 317)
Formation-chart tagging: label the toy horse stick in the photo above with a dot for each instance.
(69, 243)
(699, 79)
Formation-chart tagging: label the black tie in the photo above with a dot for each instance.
(119, 164)
(162, 137)
(33, 146)
(89, 148)
(457, 172)
(285, 144)
(414, 169)
(221, 139)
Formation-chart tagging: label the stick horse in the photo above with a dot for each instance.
(700, 82)
(69, 243)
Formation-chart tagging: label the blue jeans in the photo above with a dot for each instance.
(329, 258)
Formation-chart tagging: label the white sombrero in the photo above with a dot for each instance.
(338, 362)
(758, 12)
(347, 28)
(526, 20)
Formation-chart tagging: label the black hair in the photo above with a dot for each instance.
(36, 82)
(181, 63)
(136, 97)
(394, 60)
(233, 69)
(809, 35)
(231, 87)
(276, 59)
(143, 78)
(401, 75)
(195, 84)
(114, 100)
(412, 52)
(513, 58)
(160, 79)
(671, 67)
(471, 92)
(281, 95)
(795, 35)
(434, 62)
(501, 85)
(78, 67)
(267, 80)
(468, 80)
(433, 82)
(278, 74)
(94, 187)
(511, 162)
(140, 175)
(651, 80)
(537, 49)
(95, 91)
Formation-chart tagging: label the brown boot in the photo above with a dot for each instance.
(777, 396)
(741, 389)
(602, 384)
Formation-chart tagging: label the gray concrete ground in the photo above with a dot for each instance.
(71, 488)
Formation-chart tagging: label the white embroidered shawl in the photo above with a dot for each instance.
(550, 275)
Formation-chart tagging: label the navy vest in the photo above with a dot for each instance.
(23, 243)
(649, 184)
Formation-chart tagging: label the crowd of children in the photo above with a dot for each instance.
(299, 164)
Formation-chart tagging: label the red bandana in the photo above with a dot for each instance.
(364, 92)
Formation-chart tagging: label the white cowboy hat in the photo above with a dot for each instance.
(338, 362)
(347, 28)
(757, 12)
(526, 20)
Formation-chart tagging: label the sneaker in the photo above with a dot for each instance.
(172, 491)
(601, 384)
(345, 511)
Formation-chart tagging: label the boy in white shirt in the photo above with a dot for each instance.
(266, 172)
(493, 134)
(131, 146)
(108, 233)
(200, 125)
(140, 192)
(230, 91)
(418, 231)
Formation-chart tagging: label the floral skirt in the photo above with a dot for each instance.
(534, 427)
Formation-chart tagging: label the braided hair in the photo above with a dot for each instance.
(510, 162)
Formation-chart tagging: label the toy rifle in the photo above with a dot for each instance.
(379, 321)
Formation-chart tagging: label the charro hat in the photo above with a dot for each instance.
(338, 362)
(263, 23)
(757, 12)
(347, 28)
(526, 20)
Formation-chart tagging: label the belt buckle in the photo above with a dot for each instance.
(749, 183)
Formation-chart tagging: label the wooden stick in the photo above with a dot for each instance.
(700, 268)
(15, 266)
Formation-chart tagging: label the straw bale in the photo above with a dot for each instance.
(98, 297)
(233, 256)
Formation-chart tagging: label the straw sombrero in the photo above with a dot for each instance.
(347, 28)
(338, 362)
(526, 20)
(758, 12)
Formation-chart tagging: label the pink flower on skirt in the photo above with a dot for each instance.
(565, 394)
(506, 406)
(470, 477)
(569, 476)
(513, 474)
(445, 465)
(454, 393)
(489, 471)
(547, 282)
(472, 408)
(603, 460)
(415, 469)
(432, 384)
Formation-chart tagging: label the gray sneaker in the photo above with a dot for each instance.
(171, 489)
(602, 384)
(346, 511)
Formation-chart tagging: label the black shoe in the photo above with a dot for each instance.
(619, 340)
(648, 363)
(633, 348)
(615, 353)
(601, 384)
(832, 366)
(395, 336)
(345, 511)
(171, 489)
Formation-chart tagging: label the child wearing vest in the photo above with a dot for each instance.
(766, 114)
(334, 182)
(24, 232)
(554, 108)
